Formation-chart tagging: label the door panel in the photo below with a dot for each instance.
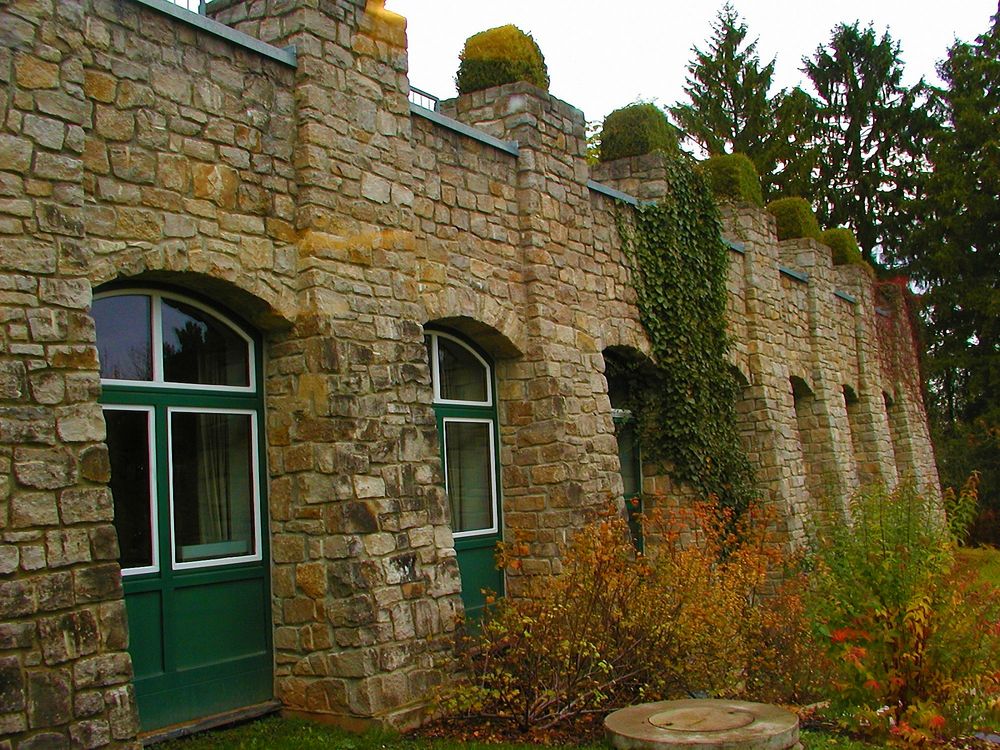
(145, 618)
(205, 616)
(183, 411)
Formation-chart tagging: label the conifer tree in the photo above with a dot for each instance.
(871, 133)
(955, 254)
(731, 109)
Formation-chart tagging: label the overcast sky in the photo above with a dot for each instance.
(604, 55)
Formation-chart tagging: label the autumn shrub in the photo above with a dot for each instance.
(615, 627)
(788, 665)
(913, 643)
(501, 55)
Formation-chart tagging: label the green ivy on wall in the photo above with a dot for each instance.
(686, 405)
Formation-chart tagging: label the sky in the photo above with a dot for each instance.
(604, 55)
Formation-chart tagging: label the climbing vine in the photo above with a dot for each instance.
(686, 405)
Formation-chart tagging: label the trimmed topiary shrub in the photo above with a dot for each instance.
(733, 176)
(636, 130)
(795, 218)
(843, 245)
(498, 56)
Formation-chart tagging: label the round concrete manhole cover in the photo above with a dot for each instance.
(703, 725)
(701, 719)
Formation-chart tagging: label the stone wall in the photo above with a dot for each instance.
(139, 148)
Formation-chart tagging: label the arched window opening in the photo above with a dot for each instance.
(627, 437)
(462, 379)
(184, 413)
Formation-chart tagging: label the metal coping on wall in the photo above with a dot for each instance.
(285, 56)
(612, 193)
(846, 297)
(508, 147)
(735, 246)
(793, 274)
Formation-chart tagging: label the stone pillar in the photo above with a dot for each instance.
(564, 448)
(914, 452)
(829, 440)
(64, 668)
(780, 465)
(875, 459)
(365, 578)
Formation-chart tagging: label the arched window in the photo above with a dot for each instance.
(183, 407)
(465, 407)
(620, 395)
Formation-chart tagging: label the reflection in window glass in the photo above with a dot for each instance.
(197, 348)
(124, 338)
(463, 377)
(128, 451)
(628, 456)
(212, 485)
(470, 474)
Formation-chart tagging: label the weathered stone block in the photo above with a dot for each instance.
(12, 687)
(31, 72)
(98, 583)
(67, 547)
(33, 509)
(90, 734)
(45, 469)
(49, 698)
(216, 183)
(55, 591)
(45, 741)
(26, 424)
(15, 153)
(102, 670)
(80, 423)
(68, 636)
(45, 131)
(95, 465)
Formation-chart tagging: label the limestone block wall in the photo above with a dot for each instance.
(307, 197)
(64, 672)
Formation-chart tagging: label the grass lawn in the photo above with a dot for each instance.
(986, 559)
(286, 734)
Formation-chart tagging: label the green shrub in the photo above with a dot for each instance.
(636, 130)
(843, 245)
(913, 642)
(498, 56)
(733, 176)
(795, 218)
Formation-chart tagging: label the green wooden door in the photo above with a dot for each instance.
(183, 407)
(467, 425)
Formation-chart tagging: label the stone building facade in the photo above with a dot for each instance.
(261, 174)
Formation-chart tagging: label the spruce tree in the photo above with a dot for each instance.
(955, 255)
(731, 109)
(871, 133)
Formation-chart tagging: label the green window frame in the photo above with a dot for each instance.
(630, 461)
(200, 608)
(458, 416)
(163, 400)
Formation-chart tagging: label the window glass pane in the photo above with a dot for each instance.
(463, 377)
(197, 348)
(128, 451)
(212, 485)
(629, 458)
(124, 338)
(470, 475)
